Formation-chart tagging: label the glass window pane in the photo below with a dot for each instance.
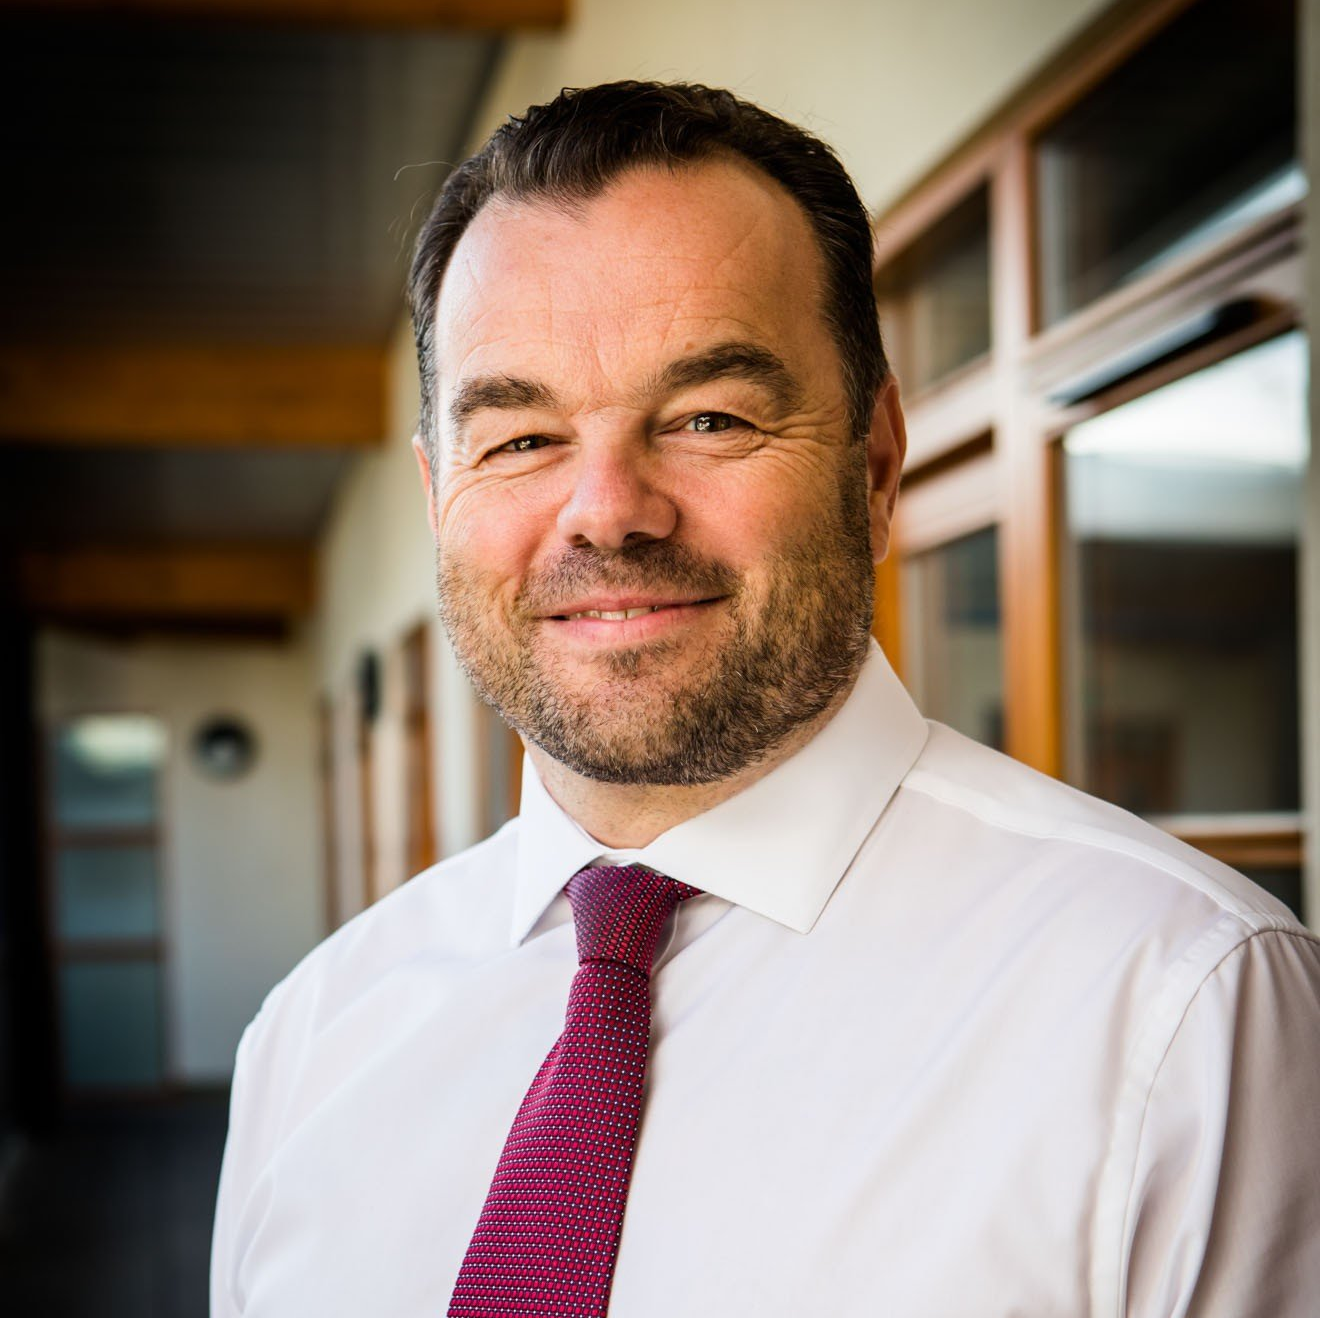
(110, 1012)
(1193, 136)
(106, 892)
(106, 769)
(1180, 574)
(939, 293)
(953, 652)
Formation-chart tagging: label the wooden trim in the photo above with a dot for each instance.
(466, 15)
(887, 615)
(1243, 841)
(225, 396)
(899, 228)
(966, 498)
(325, 728)
(1029, 582)
(946, 417)
(367, 807)
(178, 581)
(513, 784)
(421, 846)
(1027, 567)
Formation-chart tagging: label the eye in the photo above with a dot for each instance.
(708, 423)
(523, 444)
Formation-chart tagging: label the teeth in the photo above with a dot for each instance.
(616, 615)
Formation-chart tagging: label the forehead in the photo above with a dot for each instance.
(660, 263)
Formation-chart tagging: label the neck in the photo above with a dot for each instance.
(625, 816)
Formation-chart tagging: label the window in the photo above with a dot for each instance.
(1183, 512)
(104, 814)
(1193, 136)
(1096, 547)
(935, 296)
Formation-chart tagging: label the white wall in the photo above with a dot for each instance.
(892, 85)
(376, 581)
(376, 561)
(242, 886)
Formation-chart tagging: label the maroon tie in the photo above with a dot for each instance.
(547, 1237)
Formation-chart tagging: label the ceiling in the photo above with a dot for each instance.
(220, 180)
(213, 188)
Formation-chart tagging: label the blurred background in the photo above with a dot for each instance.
(228, 721)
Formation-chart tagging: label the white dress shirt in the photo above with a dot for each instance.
(943, 1038)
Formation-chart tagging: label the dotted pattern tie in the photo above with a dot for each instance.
(547, 1237)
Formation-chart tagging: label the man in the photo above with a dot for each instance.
(929, 1034)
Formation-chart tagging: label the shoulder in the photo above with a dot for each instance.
(454, 910)
(1067, 894)
(1045, 821)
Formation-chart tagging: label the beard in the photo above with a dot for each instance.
(676, 712)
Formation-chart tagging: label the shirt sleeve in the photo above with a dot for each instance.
(1224, 1214)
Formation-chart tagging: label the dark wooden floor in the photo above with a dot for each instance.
(112, 1216)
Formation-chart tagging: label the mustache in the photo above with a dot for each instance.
(653, 565)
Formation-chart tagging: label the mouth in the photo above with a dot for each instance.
(619, 612)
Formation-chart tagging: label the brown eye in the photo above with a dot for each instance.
(523, 444)
(705, 423)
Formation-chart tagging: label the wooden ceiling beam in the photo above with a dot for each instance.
(219, 583)
(466, 15)
(186, 396)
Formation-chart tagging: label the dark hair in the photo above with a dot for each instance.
(572, 147)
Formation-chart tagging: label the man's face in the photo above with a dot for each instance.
(653, 541)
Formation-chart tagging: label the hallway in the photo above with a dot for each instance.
(112, 1215)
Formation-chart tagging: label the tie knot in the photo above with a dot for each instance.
(619, 911)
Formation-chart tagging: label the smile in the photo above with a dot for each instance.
(615, 622)
(615, 615)
(624, 610)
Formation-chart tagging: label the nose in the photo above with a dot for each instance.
(615, 500)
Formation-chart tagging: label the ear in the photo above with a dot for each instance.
(885, 448)
(424, 470)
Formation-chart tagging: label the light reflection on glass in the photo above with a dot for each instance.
(1183, 511)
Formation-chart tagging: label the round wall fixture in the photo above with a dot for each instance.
(224, 747)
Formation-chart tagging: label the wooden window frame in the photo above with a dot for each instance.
(422, 834)
(984, 443)
(331, 909)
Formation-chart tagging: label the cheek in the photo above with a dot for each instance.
(750, 516)
(491, 534)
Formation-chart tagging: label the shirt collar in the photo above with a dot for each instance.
(779, 847)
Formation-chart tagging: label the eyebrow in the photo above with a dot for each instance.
(731, 361)
(503, 392)
(725, 361)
